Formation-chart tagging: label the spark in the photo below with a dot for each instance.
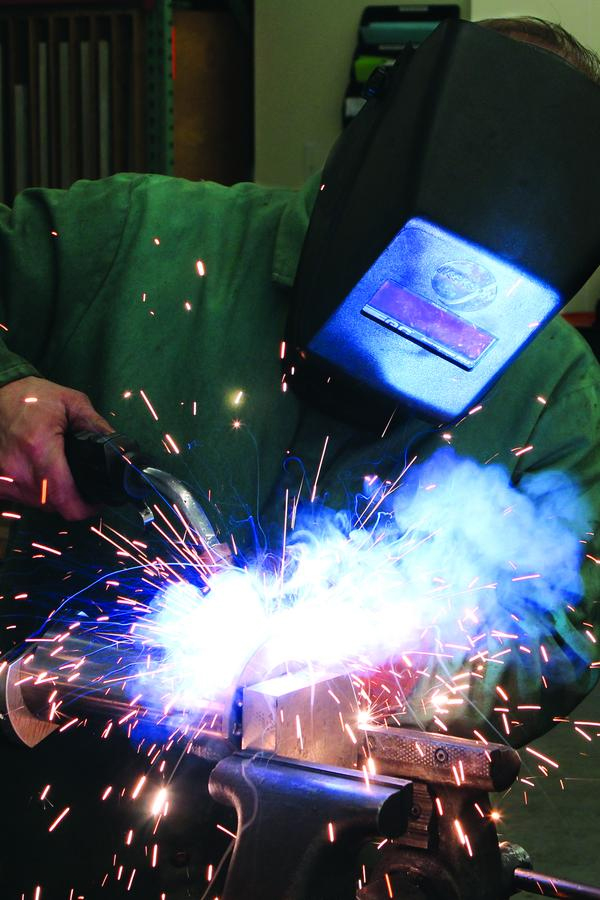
(45, 792)
(149, 405)
(172, 443)
(68, 725)
(30, 400)
(159, 801)
(227, 831)
(43, 546)
(388, 884)
(459, 831)
(59, 819)
(541, 756)
(200, 268)
(154, 859)
(299, 732)
(350, 733)
(389, 422)
(285, 523)
(314, 490)
(330, 832)
(514, 286)
(107, 792)
(521, 450)
(140, 784)
(44, 493)
(187, 306)
(282, 350)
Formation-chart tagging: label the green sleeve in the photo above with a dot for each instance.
(56, 248)
(550, 664)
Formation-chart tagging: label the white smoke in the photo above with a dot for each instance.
(459, 547)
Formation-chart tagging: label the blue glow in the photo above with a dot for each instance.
(455, 554)
(470, 314)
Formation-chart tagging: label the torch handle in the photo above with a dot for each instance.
(106, 467)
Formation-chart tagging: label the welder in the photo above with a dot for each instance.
(158, 306)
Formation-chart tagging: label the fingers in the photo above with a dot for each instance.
(82, 416)
(34, 415)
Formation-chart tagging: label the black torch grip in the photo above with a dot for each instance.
(105, 467)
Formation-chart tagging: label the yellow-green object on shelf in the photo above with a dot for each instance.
(364, 65)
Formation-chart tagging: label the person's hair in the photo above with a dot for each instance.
(549, 36)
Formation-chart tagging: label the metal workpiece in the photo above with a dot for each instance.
(302, 716)
(80, 668)
(17, 721)
(81, 672)
(300, 826)
(62, 674)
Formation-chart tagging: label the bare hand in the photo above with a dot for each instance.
(34, 416)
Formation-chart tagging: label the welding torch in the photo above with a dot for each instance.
(111, 469)
(311, 778)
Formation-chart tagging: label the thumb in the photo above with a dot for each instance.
(82, 416)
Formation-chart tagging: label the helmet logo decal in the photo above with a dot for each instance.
(463, 284)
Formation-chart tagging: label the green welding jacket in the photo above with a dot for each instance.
(166, 301)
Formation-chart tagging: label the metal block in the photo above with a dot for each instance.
(304, 716)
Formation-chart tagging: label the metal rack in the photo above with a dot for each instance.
(85, 90)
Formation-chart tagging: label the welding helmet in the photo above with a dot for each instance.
(458, 212)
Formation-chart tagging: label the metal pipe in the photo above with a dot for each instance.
(548, 885)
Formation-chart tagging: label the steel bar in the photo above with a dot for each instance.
(549, 886)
